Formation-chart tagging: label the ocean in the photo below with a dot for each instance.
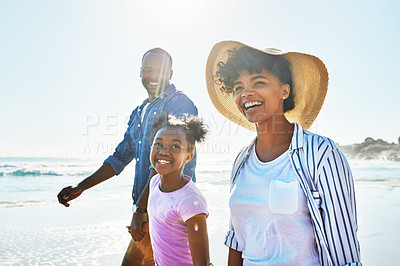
(30, 181)
(36, 230)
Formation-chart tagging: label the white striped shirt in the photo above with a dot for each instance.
(326, 179)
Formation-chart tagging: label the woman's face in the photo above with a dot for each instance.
(259, 96)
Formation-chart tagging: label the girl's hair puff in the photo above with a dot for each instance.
(193, 127)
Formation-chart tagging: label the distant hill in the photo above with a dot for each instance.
(372, 149)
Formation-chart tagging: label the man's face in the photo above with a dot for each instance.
(156, 73)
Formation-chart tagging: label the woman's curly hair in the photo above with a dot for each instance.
(252, 60)
(193, 127)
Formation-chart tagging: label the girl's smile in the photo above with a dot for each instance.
(169, 152)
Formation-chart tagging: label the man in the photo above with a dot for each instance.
(156, 72)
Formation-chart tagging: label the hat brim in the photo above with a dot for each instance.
(309, 85)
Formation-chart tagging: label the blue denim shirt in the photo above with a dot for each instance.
(137, 139)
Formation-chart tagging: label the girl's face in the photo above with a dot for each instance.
(259, 96)
(169, 152)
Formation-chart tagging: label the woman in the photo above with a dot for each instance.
(292, 194)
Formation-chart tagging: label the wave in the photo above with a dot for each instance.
(10, 204)
(7, 166)
(32, 173)
(378, 180)
(24, 172)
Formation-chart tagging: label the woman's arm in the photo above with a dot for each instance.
(198, 239)
(235, 258)
(339, 209)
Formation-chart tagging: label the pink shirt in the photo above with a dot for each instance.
(168, 213)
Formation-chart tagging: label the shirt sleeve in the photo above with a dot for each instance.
(339, 209)
(193, 204)
(230, 239)
(125, 151)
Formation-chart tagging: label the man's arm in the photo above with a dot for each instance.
(72, 192)
(139, 223)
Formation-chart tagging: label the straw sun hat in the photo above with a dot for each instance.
(309, 82)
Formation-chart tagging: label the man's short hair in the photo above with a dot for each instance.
(159, 51)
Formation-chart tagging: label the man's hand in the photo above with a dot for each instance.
(140, 220)
(72, 192)
(68, 193)
(139, 226)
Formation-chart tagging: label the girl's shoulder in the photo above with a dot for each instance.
(191, 202)
(154, 181)
(192, 190)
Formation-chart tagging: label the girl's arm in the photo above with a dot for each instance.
(235, 258)
(198, 239)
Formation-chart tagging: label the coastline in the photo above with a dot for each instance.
(92, 231)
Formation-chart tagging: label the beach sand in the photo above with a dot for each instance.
(92, 232)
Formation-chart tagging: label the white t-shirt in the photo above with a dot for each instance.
(270, 216)
(168, 212)
(144, 111)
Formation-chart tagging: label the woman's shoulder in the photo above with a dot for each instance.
(318, 141)
(319, 148)
(244, 151)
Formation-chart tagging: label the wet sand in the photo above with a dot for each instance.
(92, 232)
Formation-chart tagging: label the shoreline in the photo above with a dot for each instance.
(92, 231)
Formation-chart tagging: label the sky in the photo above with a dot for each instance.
(69, 70)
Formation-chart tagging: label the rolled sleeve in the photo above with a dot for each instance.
(231, 241)
(123, 154)
(115, 164)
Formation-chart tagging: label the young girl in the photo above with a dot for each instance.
(292, 194)
(177, 209)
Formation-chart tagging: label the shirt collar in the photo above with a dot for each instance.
(296, 142)
(297, 139)
(170, 89)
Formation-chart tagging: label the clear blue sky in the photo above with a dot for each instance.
(65, 65)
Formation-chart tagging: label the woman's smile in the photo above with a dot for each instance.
(259, 96)
(251, 105)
